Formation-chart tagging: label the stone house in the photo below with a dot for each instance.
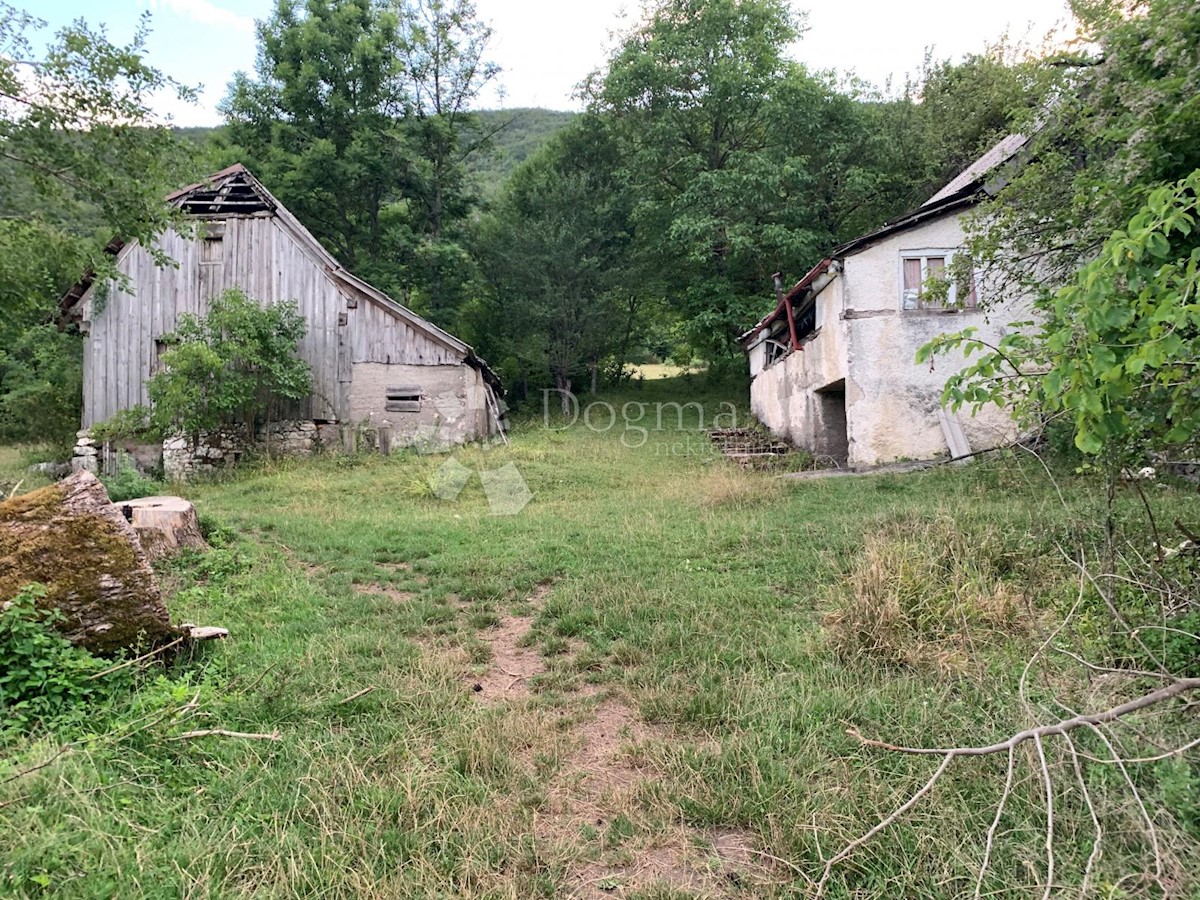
(833, 366)
(373, 360)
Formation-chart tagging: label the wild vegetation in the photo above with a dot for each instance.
(667, 676)
(380, 151)
(717, 619)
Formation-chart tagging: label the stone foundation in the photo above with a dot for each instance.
(180, 458)
(184, 458)
(214, 451)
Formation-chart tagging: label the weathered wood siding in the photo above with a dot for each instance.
(262, 257)
(379, 337)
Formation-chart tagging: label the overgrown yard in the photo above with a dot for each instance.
(639, 686)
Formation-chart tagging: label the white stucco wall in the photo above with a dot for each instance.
(453, 402)
(867, 339)
(782, 395)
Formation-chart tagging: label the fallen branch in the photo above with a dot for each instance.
(133, 662)
(897, 813)
(356, 695)
(1063, 728)
(775, 859)
(63, 750)
(221, 732)
(1180, 686)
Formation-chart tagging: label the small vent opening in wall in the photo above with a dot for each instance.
(404, 398)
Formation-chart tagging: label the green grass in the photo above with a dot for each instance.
(696, 591)
(14, 470)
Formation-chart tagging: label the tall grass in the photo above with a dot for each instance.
(928, 592)
(691, 588)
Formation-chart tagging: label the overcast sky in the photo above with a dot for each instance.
(547, 46)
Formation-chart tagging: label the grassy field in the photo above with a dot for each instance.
(638, 686)
(14, 470)
(655, 371)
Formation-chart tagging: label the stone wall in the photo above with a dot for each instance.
(110, 457)
(214, 451)
(451, 409)
(179, 458)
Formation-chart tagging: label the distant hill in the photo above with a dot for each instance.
(519, 134)
(522, 133)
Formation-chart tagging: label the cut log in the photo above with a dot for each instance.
(71, 539)
(164, 525)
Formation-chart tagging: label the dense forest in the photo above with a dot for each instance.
(563, 246)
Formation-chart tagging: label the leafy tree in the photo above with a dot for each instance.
(41, 368)
(904, 149)
(554, 254)
(320, 125)
(230, 367)
(82, 158)
(1121, 122)
(444, 47)
(78, 123)
(717, 127)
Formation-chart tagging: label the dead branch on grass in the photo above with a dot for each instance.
(1062, 728)
(1180, 686)
(61, 751)
(221, 732)
(356, 695)
(133, 662)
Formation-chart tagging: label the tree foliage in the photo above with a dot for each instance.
(82, 158)
(1120, 121)
(78, 122)
(444, 46)
(698, 94)
(555, 251)
(1098, 225)
(229, 367)
(359, 119)
(319, 126)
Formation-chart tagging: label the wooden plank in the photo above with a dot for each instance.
(952, 430)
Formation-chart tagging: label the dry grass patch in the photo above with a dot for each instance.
(926, 593)
(383, 590)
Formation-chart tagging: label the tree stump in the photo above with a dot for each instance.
(69, 537)
(164, 525)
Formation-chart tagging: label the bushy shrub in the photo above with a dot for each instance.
(130, 484)
(41, 387)
(923, 592)
(42, 675)
(229, 367)
(133, 423)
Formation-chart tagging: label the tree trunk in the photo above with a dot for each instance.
(71, 539)
(562, 384)
(164, 525)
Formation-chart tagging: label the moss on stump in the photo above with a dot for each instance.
(70, 538)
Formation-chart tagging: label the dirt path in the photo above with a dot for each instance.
(598, 817)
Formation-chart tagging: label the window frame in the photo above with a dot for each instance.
(924, 254)
(405, 398)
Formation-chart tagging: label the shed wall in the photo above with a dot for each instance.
(453, 405)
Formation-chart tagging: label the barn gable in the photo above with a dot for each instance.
(247, 239)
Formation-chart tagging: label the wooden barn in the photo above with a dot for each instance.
(372, 359)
